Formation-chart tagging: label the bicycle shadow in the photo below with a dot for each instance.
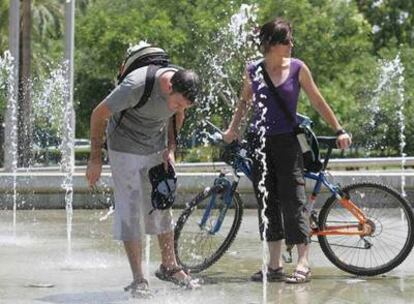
(218, 277)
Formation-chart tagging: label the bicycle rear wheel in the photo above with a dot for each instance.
(389, 243)
(196, 248)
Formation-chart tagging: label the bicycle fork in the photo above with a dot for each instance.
(226, 189)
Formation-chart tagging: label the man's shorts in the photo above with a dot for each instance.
(132, 191)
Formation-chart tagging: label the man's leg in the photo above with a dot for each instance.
(166, 243)
(134, 252)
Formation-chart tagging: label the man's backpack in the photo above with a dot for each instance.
(139, 56)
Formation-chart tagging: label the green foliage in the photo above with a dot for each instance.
(200, 154)
(392, 21)
(341, 41)
(4, 20)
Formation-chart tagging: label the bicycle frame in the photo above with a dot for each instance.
(227, 188)
(241, 164)
(362, 229)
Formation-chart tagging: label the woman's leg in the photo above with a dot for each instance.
(268, 206)
(275, 254)
(291, 190)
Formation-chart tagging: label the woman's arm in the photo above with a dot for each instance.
(320, 105)
(241, 110)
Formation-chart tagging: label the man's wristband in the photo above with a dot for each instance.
(340, 132)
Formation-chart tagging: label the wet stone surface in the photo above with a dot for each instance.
(37, 267)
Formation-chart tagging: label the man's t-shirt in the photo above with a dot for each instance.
(141, 131)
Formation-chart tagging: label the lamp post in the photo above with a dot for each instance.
(10, 123)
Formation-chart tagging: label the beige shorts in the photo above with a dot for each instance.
(132, 191)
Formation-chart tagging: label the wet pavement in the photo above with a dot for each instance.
(38, 266)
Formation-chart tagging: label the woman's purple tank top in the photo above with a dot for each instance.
(274, 118)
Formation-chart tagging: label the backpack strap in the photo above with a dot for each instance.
(277, 96)
(149, 85)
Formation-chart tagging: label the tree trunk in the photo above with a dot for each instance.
(25, 98)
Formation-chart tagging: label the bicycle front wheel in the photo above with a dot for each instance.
(390, 241)
(197, 247)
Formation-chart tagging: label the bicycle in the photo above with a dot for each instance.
(355, 227)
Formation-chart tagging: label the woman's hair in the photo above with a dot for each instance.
(277, 31)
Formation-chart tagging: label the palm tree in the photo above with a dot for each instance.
(42, 20)
(25, 101)
(4, 19)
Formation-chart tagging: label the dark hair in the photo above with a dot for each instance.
(278, 31)
(187, 83)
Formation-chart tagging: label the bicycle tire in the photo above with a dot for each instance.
(390, 201)
(184, 244)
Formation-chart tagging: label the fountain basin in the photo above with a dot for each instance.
(42, 189)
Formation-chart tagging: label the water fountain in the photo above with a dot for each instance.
(232, 47)
(51, 97)
(6, 80)
(237, 42)
(390, 87)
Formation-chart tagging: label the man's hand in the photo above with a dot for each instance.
(93, 172)
(168, 157)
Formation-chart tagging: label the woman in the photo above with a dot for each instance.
(284, 177)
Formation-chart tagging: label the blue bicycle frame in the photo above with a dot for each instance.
(242, 164)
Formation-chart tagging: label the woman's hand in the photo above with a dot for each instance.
(344, 141)
(229, 136)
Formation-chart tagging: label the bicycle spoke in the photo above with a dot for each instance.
(198, 251)
(391, 238)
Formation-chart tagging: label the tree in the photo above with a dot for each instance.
(334, 40)
(4, 21)
(25, 101)
(392, 21)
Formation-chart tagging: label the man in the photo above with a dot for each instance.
(138, 140)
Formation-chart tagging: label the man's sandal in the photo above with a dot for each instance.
(167, 274)
(299, 277)
(139, 288)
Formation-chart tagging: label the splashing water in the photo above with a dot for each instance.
(7, 80)
(226, 57)
(54, 122)
(236, 45)
(262, 186)
(68, 156)
(391, 80)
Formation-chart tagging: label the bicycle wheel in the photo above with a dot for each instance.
(386, 247)
(195, 247)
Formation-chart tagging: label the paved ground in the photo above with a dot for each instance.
(36, 267)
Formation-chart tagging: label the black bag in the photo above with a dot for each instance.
(303, 130)
(308, 144)
(164, 185)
